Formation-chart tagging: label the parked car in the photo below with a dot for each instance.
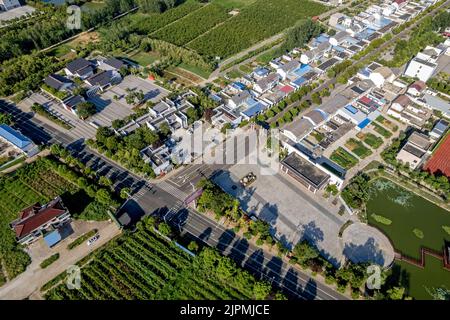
(93, 239)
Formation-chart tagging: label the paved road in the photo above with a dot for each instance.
(262, 264)
(162, 197)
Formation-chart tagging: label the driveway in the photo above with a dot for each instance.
(28, 284)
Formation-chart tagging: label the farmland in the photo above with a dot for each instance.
(254, 23)
(379, 129)
(343, 158)
(33, 183)
(42, 181)
(193, 25)
(370, 139)
(358, 148)
(146, 266)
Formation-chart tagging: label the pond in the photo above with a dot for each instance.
(410, 222)
(415, 222)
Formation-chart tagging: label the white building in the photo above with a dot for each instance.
(421, 69)
(381, 75)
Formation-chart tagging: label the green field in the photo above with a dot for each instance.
(255, 22)
(370, 139)
(385, 133)
(143, 58)
(36, 182)
(33, 183)
(145, 266)
(193, 25)
(196, 70)
(358, 148)
(343, 158)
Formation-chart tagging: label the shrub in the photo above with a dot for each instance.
(44, 264)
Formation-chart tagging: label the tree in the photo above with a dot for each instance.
(125, 193)
(193, 246)
(85, 110)
(105, 181)
(261, 290)
(164, 228)
(104, 197)
(396, 293)
(6, 118)
(165, 129)
(304, 252)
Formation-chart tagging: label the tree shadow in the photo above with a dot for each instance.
(367, 252)
(225, 239)
(239, 250)
(255, 261)
(274, 267)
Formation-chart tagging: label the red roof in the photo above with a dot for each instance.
(399, 1)
(365, 100)
(440, 161)
(287, 89)
(34, 217)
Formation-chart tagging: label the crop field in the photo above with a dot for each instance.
(36, 182)
(385, 133)
(370, 139)
(144, 265)
(190, 27)
(387, 123)
(343, 158)
(255, 22)
(358, 148)
(148, 23)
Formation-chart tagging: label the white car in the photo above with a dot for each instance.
(93, 239)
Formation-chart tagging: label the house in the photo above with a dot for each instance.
(260, 73)
(72, 102)
(417, 88)
(6, 5)
(287, 68)
(18, 141)
(266, 83)
(439, 129)
(338, 38)
(36, 221)
(238, 99)
(316, 117)
(435, 103)
(297, 129)
(158, 158)
(439, 163)
(337, 19)
(406, 111)
(420, 69)
(58, 82)
(80, 67)
(414, 151)
(381, 75)
(111, 64)
(104, 79)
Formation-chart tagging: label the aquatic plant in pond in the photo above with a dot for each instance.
(419, 233)
(381, 219)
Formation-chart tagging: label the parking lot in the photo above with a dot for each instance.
(112, 104)
(294, 213)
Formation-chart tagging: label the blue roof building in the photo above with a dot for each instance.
(52, 238)
(298, 82)
(239, 85)
(254, 110)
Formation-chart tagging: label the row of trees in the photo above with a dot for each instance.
(440, 83)
(126, 150)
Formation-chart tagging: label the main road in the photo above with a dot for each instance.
(165, 197)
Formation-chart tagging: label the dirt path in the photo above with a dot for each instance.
(28, 284)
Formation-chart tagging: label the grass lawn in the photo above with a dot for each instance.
(385, 133)
(144, 58)
(358, 148)
(234, 74)
(245, 68)
(343, 158)
(416, 222)
(92, 6)
(370, 139)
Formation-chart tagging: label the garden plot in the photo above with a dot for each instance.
(358, 148)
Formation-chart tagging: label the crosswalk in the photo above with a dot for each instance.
(177, 193)
(142, 191)
(173, 211)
